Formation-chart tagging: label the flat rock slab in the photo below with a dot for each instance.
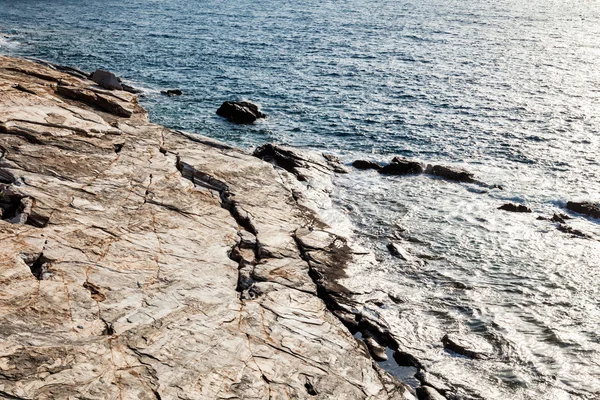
(129, 289)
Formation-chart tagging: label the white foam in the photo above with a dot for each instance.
(7, 43)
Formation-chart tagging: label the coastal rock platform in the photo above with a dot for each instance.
(139, 262)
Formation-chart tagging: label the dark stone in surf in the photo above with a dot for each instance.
(172, 92)
(464, 347)
(363, 164)
(241, 112)
(451, 173)
(402, 166)
(106, 80)
(585, 207)
(572, 231)
(518, 208)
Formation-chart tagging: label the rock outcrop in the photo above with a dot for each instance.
(402, 166)
(518, 208)
(586, 208)
(240, 112)
(139, 262)
(451, 173)
(365, 164)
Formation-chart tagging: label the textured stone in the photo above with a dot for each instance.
(128, 291)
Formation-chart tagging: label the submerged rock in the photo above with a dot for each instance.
(363, 164)
(468, 347)
(402, 166)
(172, 92)
(586, 208)
(572, 231)
(106, 80)
(518, 208)
(240, 112)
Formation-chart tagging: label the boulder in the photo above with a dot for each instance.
(241, 112)
(363, 164)
(585, 207)
(106, 80)
(451, 173)
(402, 166)
(515, 208)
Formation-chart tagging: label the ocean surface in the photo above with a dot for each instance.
(508, 89)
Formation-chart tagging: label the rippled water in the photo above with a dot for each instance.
(508, 89)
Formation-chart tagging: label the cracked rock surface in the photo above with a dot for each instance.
(139, 262)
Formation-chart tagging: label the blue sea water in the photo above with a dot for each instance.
(508, 89)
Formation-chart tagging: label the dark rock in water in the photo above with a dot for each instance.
(572, 231)
(586, 207)
(241, 112)
(363, 164)
(405, 359)
(402, 166)
(560, 217)
(466, 347)
(172, 92)
(451, 173)
(428, 393)
(377, 351)
(107, 80)
(515, 208)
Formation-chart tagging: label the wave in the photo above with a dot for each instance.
(7, 43)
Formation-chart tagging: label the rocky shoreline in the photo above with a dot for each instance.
(142, 262)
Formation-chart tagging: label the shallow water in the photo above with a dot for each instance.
(508, 89)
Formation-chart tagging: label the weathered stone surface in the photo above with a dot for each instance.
(128, 291)
(518, 208)
(240, 112)
(586, 208)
